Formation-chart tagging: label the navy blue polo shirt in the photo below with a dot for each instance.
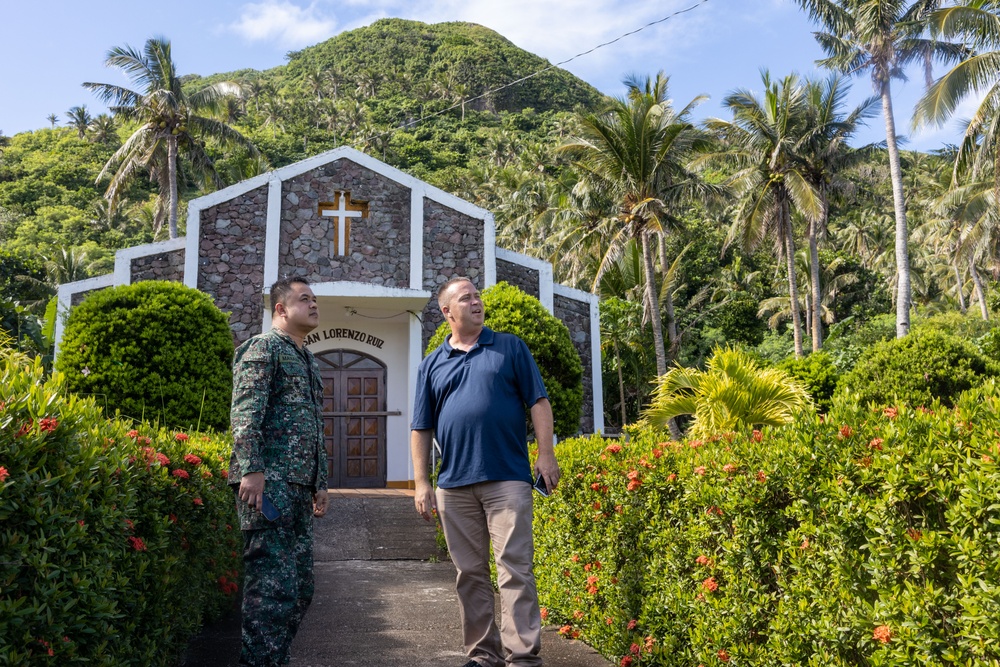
(475, 401)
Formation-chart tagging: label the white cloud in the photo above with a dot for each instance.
(283, 22)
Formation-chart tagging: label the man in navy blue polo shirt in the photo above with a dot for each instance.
(471, 393)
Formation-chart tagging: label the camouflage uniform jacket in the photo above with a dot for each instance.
(276, 415)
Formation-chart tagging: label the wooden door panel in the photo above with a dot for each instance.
(355, 441)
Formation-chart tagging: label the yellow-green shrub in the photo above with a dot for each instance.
(106, 556)
(869, 537)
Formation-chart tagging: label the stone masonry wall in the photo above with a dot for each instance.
(453, 246)
(576, 316)
(231, 259)
(161, 266)
(522, 277)
(77, 298)
(378, 246)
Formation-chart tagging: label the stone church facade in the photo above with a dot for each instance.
(375, 244)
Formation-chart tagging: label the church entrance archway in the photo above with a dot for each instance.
(354, 421)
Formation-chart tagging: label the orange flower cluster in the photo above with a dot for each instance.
(181, 437)
(613, 448)
(846, 431)
(710, 585)
(757, 436)
(730, 468)
(761, 476)
(48, 424)
(891, 413)
(192, 459)
(723, 655)
(3, 474)
(876, 443)
(882, 634)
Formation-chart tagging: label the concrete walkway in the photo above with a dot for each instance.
(385, 595)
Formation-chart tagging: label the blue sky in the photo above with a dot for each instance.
(49, 49)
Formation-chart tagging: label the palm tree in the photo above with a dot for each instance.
(167, 121)
(764, 144)
(827, 155)
(79, 119)
(53, 119)
(881, 37)
(103, 129)
(733, 392)
(637, 151)
(976, 20)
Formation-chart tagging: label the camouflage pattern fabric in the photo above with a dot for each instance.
(277, 427)
(276, 415)
(278, 579)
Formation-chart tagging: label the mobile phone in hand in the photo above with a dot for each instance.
(269, 511)
(539, 485)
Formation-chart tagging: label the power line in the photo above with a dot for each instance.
(539, 72)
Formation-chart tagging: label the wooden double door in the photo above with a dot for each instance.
(354, 418)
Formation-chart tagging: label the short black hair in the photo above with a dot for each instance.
(282, 288)
(451, 281)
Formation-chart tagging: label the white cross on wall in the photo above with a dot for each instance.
(341, 214)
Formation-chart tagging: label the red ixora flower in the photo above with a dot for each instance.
(626, 661)
(890, 412)
(710, 585)
(876, 443)
(699, 470)
(181, 437)
(757, 436)
(197, 501)
(544, 613)
(133, 434)
(632, 623)
(913, 534)
(25, 427)
(183, 474)
(613, 449)
(634, 484)
(882, 634)
(137, 543)
(48, 424)
(162, 458)
(846, 431)
(730, 468)
(191, 458)
(723, 655)
(761, 476)
(3, 474)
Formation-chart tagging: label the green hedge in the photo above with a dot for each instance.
(115, 544)
(155, 350)
(925, 365)
(869, 537)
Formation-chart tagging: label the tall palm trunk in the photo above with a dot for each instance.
(902, 235)
(958, 287)
(816, 301)
(654, 319)
(980, 291)
(668, 302)
(653, 304)
(172, 174)
(793, 290)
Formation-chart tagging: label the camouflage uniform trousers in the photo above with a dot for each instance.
(278, 579)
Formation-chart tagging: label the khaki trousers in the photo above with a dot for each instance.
(472, 517)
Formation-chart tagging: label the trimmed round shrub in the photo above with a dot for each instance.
(510, 310)
(916, 369)
(154, 350)
(116, 543)
(819, 375)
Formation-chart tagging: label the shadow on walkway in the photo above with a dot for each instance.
(385, 595)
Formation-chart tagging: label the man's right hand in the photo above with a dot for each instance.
(252, 489)
(423, 499)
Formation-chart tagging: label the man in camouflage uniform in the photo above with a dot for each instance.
(278, 451)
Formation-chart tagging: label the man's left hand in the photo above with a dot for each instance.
(548, 468)
(320, 501)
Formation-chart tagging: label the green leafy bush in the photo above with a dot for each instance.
(818, 373)
(115, 544)
(862, 538)
(152, 350)
(924, 365)
(510, 310)
(850, 337)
